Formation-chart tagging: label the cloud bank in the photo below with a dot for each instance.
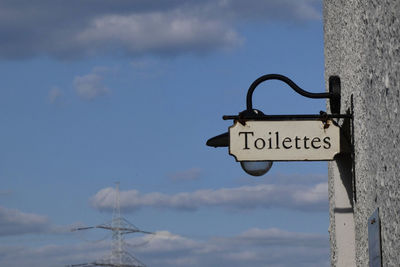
(299, 197)
(254, 247)
(15, 222)
(76, 29)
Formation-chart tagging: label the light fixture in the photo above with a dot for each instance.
(256, 168)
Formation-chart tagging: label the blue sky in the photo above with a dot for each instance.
(94, 92)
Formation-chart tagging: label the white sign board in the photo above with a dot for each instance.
(284, 140)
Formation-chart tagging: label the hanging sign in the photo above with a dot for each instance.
(299, 140)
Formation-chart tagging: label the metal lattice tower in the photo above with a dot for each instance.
(119, 226)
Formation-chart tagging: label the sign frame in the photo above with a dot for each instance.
(313, 140)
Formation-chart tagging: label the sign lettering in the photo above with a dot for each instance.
(284, 140)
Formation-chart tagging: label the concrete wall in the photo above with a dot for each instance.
(362, 47)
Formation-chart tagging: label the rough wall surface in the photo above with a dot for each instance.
(362, 47)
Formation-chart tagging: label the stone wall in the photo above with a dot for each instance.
(362, 47)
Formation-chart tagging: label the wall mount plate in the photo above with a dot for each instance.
(374, 240)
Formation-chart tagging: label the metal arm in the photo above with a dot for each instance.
(332, 94)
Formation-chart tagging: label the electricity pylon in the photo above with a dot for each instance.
(119, 226)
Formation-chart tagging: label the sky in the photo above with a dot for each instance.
(94, 92)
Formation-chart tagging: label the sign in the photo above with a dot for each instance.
(284, 140)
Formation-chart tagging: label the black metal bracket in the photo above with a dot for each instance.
(262, 117)
(333, 95)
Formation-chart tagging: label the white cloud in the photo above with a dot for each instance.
(254, 247)
(15, 222)
(306, 198)
(275, 236)
(315, 194)
(186, 175)
(55, 94)
(90, 86)
(155, 33)
(134, 28)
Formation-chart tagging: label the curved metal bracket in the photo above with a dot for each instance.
(333, 94)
